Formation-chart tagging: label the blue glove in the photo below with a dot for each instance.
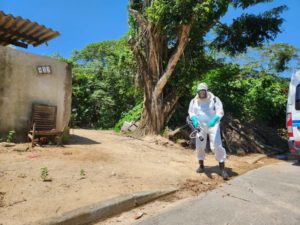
(195, 121)
(213, 121)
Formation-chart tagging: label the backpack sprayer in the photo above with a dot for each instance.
(197, 133)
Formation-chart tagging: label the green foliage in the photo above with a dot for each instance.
(280, 55)
(10, 136)
(248, 30)
(133, 115)
(220, 82)
(82, 173)
(65, 138)
(246, 3)
(103, 73)
(167, 15)
(61, 58)
(103, 84)
(273, 58)
(167, 22)
(247, 94)
(265, 100)
(44, 173)
(261, 99)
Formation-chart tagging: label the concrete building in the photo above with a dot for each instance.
(26, 79)
(21, 85)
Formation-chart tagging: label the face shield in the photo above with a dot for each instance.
(202, 90)
(202, 94)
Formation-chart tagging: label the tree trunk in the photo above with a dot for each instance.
(155, 69)
(156, 113)
(152, 120)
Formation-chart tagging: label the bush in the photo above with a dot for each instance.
(132, 115)
(260, 98)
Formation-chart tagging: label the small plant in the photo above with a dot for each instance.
(10, 136)
(82, 174)
(44, 173)
(65, 138)
(165, 131)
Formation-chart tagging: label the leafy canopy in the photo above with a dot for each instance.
(103, 83)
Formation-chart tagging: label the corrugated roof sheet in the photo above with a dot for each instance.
(22, 32)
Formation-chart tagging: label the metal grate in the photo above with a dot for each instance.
(44, 117)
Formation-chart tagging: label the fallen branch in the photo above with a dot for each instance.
(171, 134)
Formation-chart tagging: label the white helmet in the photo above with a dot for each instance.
(202, 87)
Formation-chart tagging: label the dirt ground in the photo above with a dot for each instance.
(98, 165)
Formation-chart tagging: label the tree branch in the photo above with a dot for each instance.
(183, 40)
(142, 70)
(140, 18)
(142, 65)
(252, 139)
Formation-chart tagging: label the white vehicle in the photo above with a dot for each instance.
(293, 114)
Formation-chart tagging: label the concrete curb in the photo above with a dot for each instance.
(105, 209)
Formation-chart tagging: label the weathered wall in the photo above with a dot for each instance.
(21, 85)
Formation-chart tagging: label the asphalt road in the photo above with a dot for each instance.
(267, 196)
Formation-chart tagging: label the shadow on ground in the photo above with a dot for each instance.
(289, 157)
(216, 170)
(296, 163)
(79, 140)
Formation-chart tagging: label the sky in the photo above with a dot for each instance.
(82, 22)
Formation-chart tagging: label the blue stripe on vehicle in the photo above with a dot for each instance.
(296, 121)
(296, 124)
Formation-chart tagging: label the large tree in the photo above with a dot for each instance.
(168, 41)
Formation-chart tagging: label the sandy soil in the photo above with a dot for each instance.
(99, 165)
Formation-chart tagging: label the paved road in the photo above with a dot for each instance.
(266, 196)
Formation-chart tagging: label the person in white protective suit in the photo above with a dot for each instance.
(205, 112)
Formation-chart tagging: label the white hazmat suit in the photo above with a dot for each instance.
(205, 110)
